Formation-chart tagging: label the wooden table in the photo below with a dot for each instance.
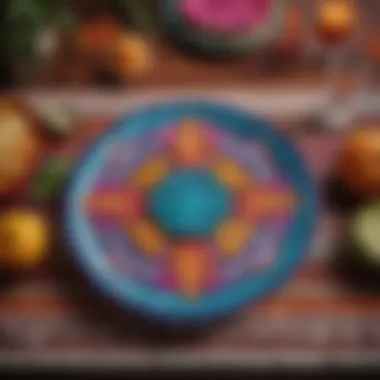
(177, 69)
(54, 319)
(51, 319)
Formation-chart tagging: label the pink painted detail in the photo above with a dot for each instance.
(279, 184)
(311, 148)
(113, 203)
(212, 134)
(266, 248)
(226, 16)
(214, 282)
(117, 263)
(120, 152)
(284, 219)
(266, 257)
(166, 136)
(167, 281)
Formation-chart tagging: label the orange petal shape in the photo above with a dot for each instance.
(147, 237)
(232, 236)
(191, 267)
(230, 174)
(190, 145)
(260, 203)
(114, 203)
(150, 173)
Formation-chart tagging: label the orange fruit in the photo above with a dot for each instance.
(359, 163)
(336, 19)
(24, 239)
(134, 57)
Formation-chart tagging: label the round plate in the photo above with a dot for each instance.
(214, 43)
(188, 211)
(230, 16)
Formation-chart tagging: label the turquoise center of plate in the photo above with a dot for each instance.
(191, 203)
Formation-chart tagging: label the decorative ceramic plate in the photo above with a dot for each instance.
(236, 27)
(189, 211)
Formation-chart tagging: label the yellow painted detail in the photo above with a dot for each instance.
(191, 267)
(275, 202)
(230, 174)
(147, 237)
(190, 144)
(150, 173)
(232, 235)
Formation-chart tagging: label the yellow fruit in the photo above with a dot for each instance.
(336, 19)
(24, 239)
(19, 146)
(133, 56)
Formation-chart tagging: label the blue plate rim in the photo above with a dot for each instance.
(189, 316)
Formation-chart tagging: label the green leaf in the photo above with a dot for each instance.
(50, 181)
(24, 19)
(141, 15)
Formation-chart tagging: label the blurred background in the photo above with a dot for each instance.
(77, 66)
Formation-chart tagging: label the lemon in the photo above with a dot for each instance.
(24, 239)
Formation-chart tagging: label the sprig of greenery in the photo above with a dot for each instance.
(24, 19)
(141, 16)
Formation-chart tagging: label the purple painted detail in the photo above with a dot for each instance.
(252, 156)
(213, 134)
(100, 190)
(118, 156)
(104, 187)
(280, 185)
(260, 254)
(124, 259)
(102, 225)
(165, 135)
(123, 157)
(214, 281)
(167, 281)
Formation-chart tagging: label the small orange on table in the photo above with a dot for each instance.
(25, 238)
(336, 19)
(359, 162)
(133, 56)
(19, 145)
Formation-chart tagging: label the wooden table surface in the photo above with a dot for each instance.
(50, 320)
(175, 68)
